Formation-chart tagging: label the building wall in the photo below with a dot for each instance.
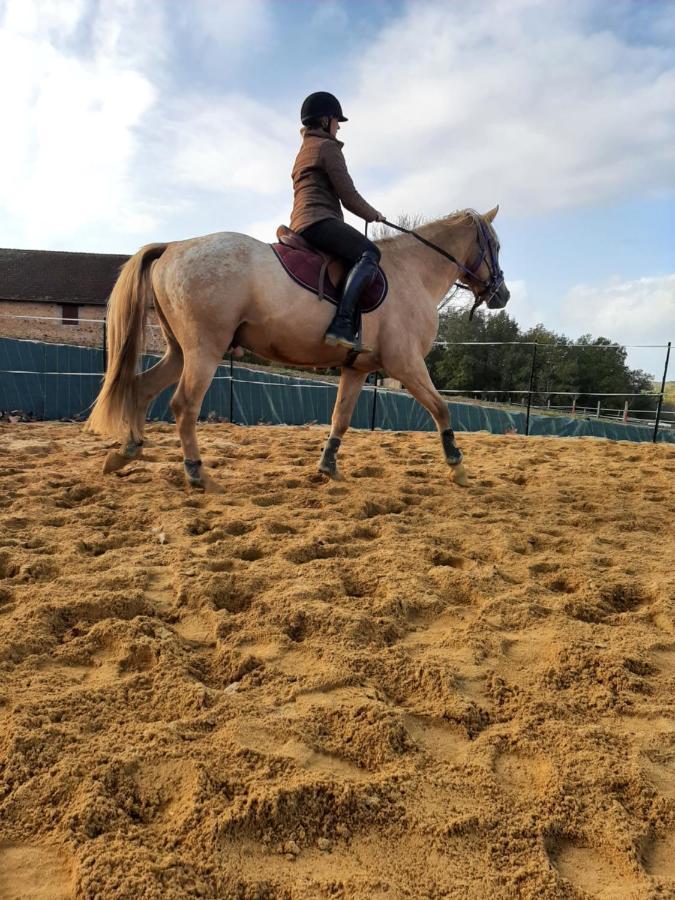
(47, 325)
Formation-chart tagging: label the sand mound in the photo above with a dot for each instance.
(387, 686)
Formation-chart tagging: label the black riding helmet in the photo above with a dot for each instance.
(321, 104)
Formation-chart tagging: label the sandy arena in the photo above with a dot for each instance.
(383, 687)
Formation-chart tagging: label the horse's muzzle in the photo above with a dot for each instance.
(500, 298)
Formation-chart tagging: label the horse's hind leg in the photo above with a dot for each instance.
(186, 403)
(149, 384)
(417, 380)
(349, 389)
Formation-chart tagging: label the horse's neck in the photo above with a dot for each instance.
(437, 273)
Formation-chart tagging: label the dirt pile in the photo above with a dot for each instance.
(386, 686)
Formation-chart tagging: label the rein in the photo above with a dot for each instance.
(496, 275)
(435, 247)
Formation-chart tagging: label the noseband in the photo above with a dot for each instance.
(487, 251)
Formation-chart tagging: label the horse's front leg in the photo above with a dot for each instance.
(349, 389)
(417, 380)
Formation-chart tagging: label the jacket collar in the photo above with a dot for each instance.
(320, 133)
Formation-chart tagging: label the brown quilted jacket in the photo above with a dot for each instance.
(321, 182)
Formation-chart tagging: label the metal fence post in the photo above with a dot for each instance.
(374, 408)
(105, 347)
(44, 382)
(231, 391)
(663, 388)
(529, 393)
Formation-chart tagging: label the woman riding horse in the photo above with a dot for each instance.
(320, 183)
(214, 292)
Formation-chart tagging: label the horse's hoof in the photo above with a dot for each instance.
(327, 467)
(328, 461)
(454, 457)
(204, 485)
(459, 475)
(333, 473)
(115, 461)
(197, 479)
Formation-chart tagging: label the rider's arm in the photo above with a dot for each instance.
(336, 168)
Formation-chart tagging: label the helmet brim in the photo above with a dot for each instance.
(307, 119)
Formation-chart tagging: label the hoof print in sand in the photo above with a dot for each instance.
(34, 872)
(611, 605)
(232, 592)
(659, 857)
(9, 567)
(592, 871)
(453, 560)
(438, 738)
(522, 775)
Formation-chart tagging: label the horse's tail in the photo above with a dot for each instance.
(114, 412)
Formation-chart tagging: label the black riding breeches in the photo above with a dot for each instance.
(336, 237)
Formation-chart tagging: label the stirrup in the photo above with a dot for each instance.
(353, 346)
(337, 340)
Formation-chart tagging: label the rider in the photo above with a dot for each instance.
(320, 182)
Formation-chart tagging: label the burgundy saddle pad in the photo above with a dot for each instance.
(304, 267)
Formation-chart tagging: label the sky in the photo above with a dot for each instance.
(127, 122)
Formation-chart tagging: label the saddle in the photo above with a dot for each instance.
(322, 273)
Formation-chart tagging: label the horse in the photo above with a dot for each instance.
(227, 291)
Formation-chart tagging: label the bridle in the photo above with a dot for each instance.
(488, 248)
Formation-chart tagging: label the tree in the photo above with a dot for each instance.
(584, 369)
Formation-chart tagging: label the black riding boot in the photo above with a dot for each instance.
(361, 275)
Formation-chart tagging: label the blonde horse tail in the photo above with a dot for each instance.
(114, 412)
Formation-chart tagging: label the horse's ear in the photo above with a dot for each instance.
(490, 215)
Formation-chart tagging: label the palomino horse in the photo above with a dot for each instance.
(223, 290)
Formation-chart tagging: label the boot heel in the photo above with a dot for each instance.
(349, 345)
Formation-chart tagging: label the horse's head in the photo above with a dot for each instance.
(483, 275)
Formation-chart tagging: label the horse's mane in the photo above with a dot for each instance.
(458, 217)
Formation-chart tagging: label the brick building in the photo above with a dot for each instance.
(60, 297)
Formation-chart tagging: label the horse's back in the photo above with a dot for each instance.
(226, 249)
(209, 263)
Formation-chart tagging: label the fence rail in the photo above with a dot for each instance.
(656, 418)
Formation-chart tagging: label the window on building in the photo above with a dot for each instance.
(70, 314)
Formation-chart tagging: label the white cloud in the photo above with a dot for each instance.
(113, 130)
(638, 311)
(230, 142)
(266, 229)
(48, 18)
(72, 123)
(329, 14)
(522, 308)
(129, 34)
(524, 103)
(226, 26)
(106, 139)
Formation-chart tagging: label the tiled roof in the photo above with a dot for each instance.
(54, 276)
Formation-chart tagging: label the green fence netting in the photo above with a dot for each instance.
(58, 381)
